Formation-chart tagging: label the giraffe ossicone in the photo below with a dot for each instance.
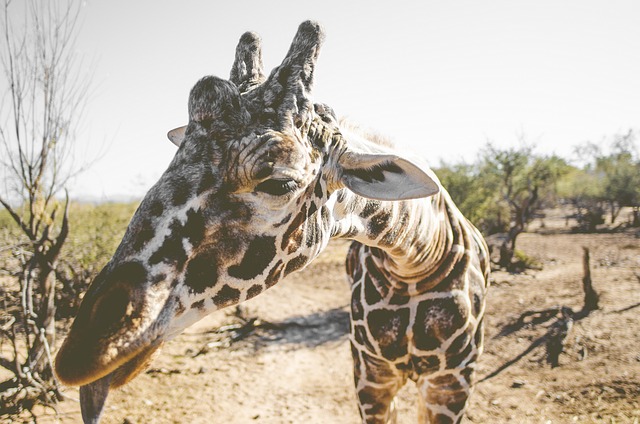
(263, 178)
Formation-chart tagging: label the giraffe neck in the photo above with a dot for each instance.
(415, 243)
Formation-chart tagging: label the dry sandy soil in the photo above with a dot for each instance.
(294, 364)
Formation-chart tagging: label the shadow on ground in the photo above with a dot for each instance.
(293, 333)
(304, 331)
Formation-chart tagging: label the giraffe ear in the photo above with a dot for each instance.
(176, 135)
(385, 177)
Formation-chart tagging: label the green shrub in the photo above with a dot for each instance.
(522, 261)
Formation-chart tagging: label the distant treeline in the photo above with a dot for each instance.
(507, 187)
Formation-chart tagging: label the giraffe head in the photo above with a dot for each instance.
(245, 201)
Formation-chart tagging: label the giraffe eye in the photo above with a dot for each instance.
(277, 187)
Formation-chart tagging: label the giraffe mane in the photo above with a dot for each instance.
(370, 134)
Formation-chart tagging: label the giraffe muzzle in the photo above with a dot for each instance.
(115, 332)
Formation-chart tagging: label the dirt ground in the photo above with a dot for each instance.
(294, 364)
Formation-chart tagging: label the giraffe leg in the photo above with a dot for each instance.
(443, 396)
(444, 393)
(377, 383)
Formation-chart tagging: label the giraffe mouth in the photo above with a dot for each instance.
(134, 366)
(77, 367)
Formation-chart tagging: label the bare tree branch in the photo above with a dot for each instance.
(38, 120)
(18, 219)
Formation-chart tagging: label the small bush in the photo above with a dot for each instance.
(588, 219)
(522, 262)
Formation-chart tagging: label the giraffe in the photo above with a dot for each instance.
(262, 179)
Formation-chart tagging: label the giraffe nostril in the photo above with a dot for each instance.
(110, 299)
(111, 309)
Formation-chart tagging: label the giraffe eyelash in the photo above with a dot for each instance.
(277, 187)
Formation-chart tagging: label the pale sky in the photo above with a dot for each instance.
(440, 77)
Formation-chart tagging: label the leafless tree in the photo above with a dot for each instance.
(46, 91)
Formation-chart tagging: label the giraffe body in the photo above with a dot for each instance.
(262, 180)
(425, 328)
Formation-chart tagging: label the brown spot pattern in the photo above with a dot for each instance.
(389, 329)
(274, 274)
(436, 321)
(226, 296)
(295, 264)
